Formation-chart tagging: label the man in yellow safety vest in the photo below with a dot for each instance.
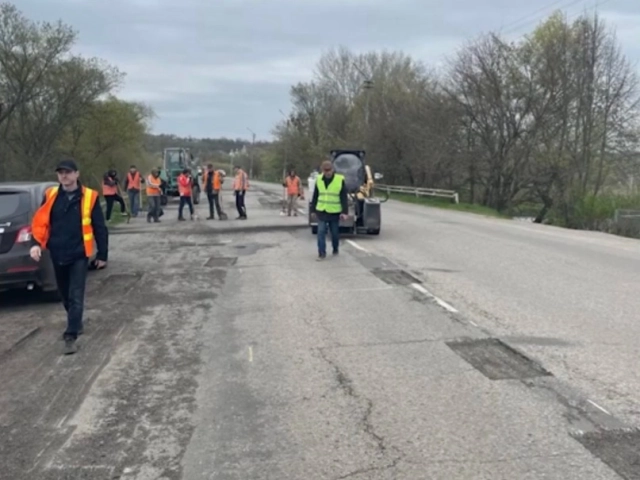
(330, 205)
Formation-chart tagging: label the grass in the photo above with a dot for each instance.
(446, 204)
(116, 218)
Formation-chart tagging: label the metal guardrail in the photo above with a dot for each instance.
(420, 192)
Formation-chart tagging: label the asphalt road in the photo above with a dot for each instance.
(222, 350)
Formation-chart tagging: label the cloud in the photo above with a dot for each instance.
(212, 68)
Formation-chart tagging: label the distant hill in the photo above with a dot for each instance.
(200, 147)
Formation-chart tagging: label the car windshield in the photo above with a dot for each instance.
(13, 203)
(174, 160)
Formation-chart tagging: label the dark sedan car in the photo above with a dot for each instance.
(18, 203)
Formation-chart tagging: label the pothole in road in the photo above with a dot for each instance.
(221, 262)
(620, 449)
(395, 277)
(496, 360)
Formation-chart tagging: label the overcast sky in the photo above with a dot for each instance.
(214, 68)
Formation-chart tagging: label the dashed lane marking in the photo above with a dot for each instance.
(355, 245)
(439, 301)
(598, 406)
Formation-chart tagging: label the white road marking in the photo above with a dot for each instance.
(355, 245)
(473, 323)
(369, 289)
(439, 301)
(250, 354)
(598, 406)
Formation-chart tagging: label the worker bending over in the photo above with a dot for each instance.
(330, 204)
(67, 222)
(293, 184)
(110, 192)
(240, 187)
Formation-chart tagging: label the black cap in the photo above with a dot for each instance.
(67, 165)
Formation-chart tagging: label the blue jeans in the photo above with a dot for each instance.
(134, 201)
(71, 281)
(334, 227)
(185, 201)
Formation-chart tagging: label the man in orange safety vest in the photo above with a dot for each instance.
(110, 192)
(67, 223)
(293, 184)
(185, 186)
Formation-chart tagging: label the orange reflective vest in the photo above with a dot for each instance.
(215, 179)
(241, 182)
(133, 181)
(41, 223)
(294, 186)
(153, 186)
(184, 185)
(108, 189)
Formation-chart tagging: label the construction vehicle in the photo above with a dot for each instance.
(175, 160)
(364, 207)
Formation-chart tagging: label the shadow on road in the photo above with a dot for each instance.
(23, 299)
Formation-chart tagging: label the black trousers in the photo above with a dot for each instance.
(185, 201)
(242, 210)
(214, 200)
(110, 199)
(71, 280)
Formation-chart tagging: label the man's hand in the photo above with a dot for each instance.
(36, 253)
(343, 216)
(100, 264)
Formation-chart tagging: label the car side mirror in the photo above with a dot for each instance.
(378, 176)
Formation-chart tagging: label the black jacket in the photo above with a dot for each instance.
(65, 243)
(343, 198)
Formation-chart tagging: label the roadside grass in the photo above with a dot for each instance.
(116, 217)
(446, 204)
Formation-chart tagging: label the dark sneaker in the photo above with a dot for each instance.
(335, 252)
(181, 219)
(70, 346)
(321, 257)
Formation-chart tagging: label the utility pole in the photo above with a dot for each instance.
(367, 85)
(284, 163)
(286, 144)
(253, 141)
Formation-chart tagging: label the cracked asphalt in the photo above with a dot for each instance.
(222, 350)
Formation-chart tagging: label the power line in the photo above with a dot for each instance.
(535, 12)
(541, 18)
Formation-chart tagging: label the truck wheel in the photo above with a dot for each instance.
(373, 231)
(164, 200)
(314, 230)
